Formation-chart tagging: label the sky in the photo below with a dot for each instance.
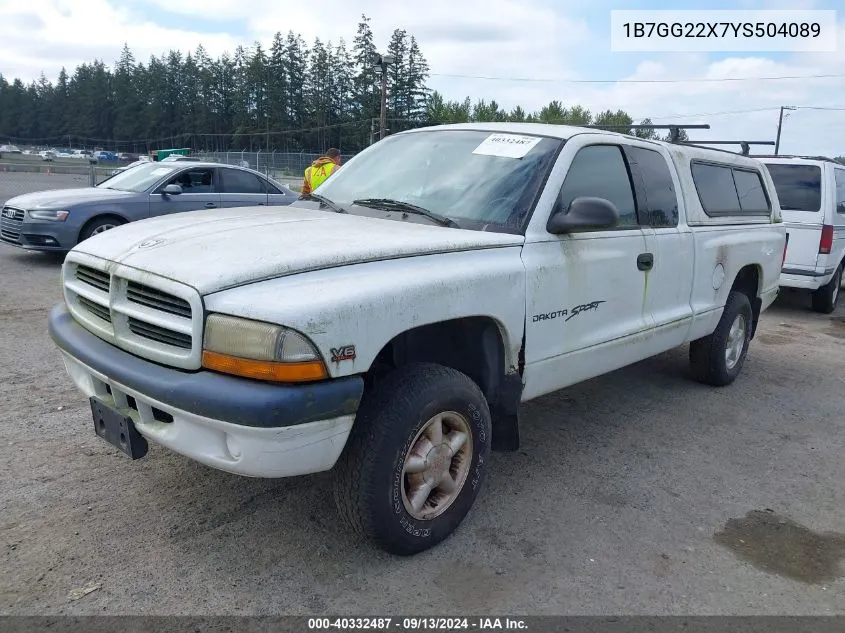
(518, 52)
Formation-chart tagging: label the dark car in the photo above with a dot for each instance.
(57, 220)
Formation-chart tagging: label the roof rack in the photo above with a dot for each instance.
(746, 145)
(674, 130)
(675, 136)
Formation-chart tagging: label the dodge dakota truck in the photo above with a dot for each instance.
(388, 326)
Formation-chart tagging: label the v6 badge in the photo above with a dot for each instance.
(347, 352)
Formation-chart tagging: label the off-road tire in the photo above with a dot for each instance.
(367, 478)
(707, 355)
(826, 297)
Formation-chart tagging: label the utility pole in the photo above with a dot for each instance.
(383, 61)
(780, 125)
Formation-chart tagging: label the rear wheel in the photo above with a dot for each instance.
(416, 458)
(717, 359)
(99, 225)
(826, 297)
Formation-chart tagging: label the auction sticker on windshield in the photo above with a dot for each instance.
(507, 145)
(160, 171)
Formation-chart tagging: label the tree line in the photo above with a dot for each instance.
(289, 97)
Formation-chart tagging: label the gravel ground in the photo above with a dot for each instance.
(639, 492)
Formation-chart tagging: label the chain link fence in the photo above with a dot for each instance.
(18, 177)
(285, 167)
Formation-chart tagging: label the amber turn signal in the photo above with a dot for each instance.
(264, 370)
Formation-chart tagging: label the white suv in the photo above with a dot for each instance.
(812, 198)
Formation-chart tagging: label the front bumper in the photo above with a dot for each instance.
(41, 236)
(240, 426)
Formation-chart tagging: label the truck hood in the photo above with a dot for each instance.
(225, 248)
(57, 198)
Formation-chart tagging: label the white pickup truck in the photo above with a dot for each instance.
(389, 326)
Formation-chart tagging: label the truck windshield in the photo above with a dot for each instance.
(799, 187)
(472, 177)
(139, 178)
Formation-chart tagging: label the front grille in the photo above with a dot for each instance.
(93, 277)
(157, 318)
(11, 222)
(160, 334)
(154, 298)
(96, 309)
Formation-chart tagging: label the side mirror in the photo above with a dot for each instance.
(584, 213)
(172, 190)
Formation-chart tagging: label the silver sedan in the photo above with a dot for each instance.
(57, 220)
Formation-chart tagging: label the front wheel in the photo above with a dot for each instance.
(99, 225)
(718, 358)
(416, 458)
(825, 298)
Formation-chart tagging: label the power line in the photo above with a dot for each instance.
(635, 81)
(702, 114)
(748, 111)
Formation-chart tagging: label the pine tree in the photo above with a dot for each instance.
(398, 90)
(417, 93)
(342, 92)
(277, 82)
(555, 112)
(318, 95)
(297, 71)
(257, 81)
(487, 112)
(251, 99)
(646, 133)
(127, 101)
(517, 115)
(437, 111)
(366, 79)
(204, 112)
(612, 121)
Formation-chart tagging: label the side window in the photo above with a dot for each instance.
(840, 190)
(271, 188)
(656, 198)
(752, 193)
(716, 189)
(600, 171)
(194, 181)
(237, 181)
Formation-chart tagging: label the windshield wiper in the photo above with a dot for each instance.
(322, 200)
(389, 204)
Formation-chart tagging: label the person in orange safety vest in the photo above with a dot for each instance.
(321, 169)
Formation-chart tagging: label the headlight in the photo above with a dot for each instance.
(53, 215)
(254, 349)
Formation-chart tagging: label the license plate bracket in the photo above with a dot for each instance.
(117, 429)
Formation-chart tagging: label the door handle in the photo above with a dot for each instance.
(210, 205)
(645, 261)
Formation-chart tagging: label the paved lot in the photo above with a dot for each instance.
(18, 183)
(631, 494)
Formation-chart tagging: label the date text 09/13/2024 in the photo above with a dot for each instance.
(414, 624)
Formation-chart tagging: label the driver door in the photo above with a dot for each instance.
(587, 305)
(199, 191)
